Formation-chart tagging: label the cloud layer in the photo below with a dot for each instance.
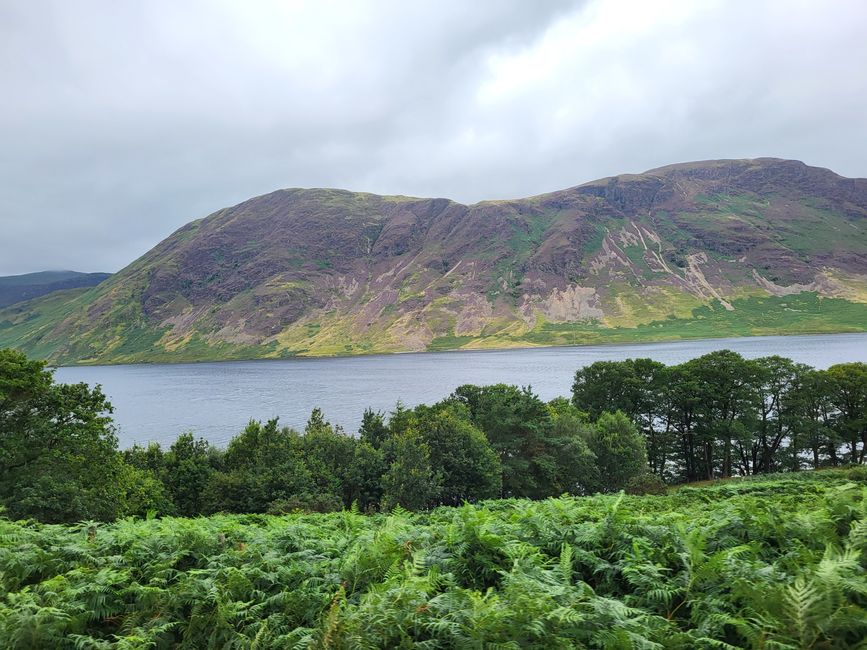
(122, 121)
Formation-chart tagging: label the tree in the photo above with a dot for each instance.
(189, 465)
(365, 476)
(847, 384)
(469, 468)
(151, 458)
(327, 452)
(724, 386)
(262, 464)
(809, 406)
(515, 422)
(373, 429)
(410, 481)
(778, 422)
(576, 471)
(619, 449)
(537, 459)
(58, 450)
(635, 387)
(142, 492)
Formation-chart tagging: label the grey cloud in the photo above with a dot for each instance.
(123, 121)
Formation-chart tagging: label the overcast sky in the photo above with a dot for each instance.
(122, 120)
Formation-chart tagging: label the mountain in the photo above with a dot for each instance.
(18, 288)
(714, 248)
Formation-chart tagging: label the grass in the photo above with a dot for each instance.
(449, 342)
(804, 313)
(675, 318)
(806, 228)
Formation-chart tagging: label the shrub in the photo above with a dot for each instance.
(646, 484)
(306, 503)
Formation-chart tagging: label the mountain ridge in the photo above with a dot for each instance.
(27, 286)
(723, 247)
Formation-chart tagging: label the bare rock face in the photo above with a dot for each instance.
(574, 303)
(475, 313)
(318, 271)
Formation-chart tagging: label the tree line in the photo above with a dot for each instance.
(629, 425)
(721, 415)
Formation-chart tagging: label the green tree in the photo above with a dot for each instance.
(189, 466)
(635, 387)
(328, 454)
(619, 449)
(262, 464)
(410, 480)
(777, 422)
(364, 477)
(724, 386)
(460, 453)
(809, 405)
(141, 492)
(847, 384)
(576, 471)
(58, 450)
(151, 458)
(373, 429)
(520, 428)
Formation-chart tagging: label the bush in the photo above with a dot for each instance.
(856, 472)
(759, 564)
(306, 503)
(646, 484)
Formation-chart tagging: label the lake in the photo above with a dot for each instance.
(216, 400)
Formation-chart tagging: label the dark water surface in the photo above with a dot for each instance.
(215, 400)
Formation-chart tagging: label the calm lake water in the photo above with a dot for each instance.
(216, 400)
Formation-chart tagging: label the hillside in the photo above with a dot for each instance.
(18, 288)
(715, 248)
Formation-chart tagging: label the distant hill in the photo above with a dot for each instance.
(713, 248)
(18, 288)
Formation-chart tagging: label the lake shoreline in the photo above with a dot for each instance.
(215, 400)
(409, 353)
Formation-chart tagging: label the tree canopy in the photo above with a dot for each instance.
(628, 425)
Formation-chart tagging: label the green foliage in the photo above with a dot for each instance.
(305, 502)
(646, 484)
(803, 313)
(328, 454)
(448, 342)
(142, 492)
(540, 457)
(262, 465)
(469, 469)
(847, 392)
(619, 451)
(764, 563)
(720, 414)
(189, 465)
(373, 429)
(364, 477)
(410, 481)
(58, 451)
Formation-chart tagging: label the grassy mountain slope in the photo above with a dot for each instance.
(18, 288)
(700, 249)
